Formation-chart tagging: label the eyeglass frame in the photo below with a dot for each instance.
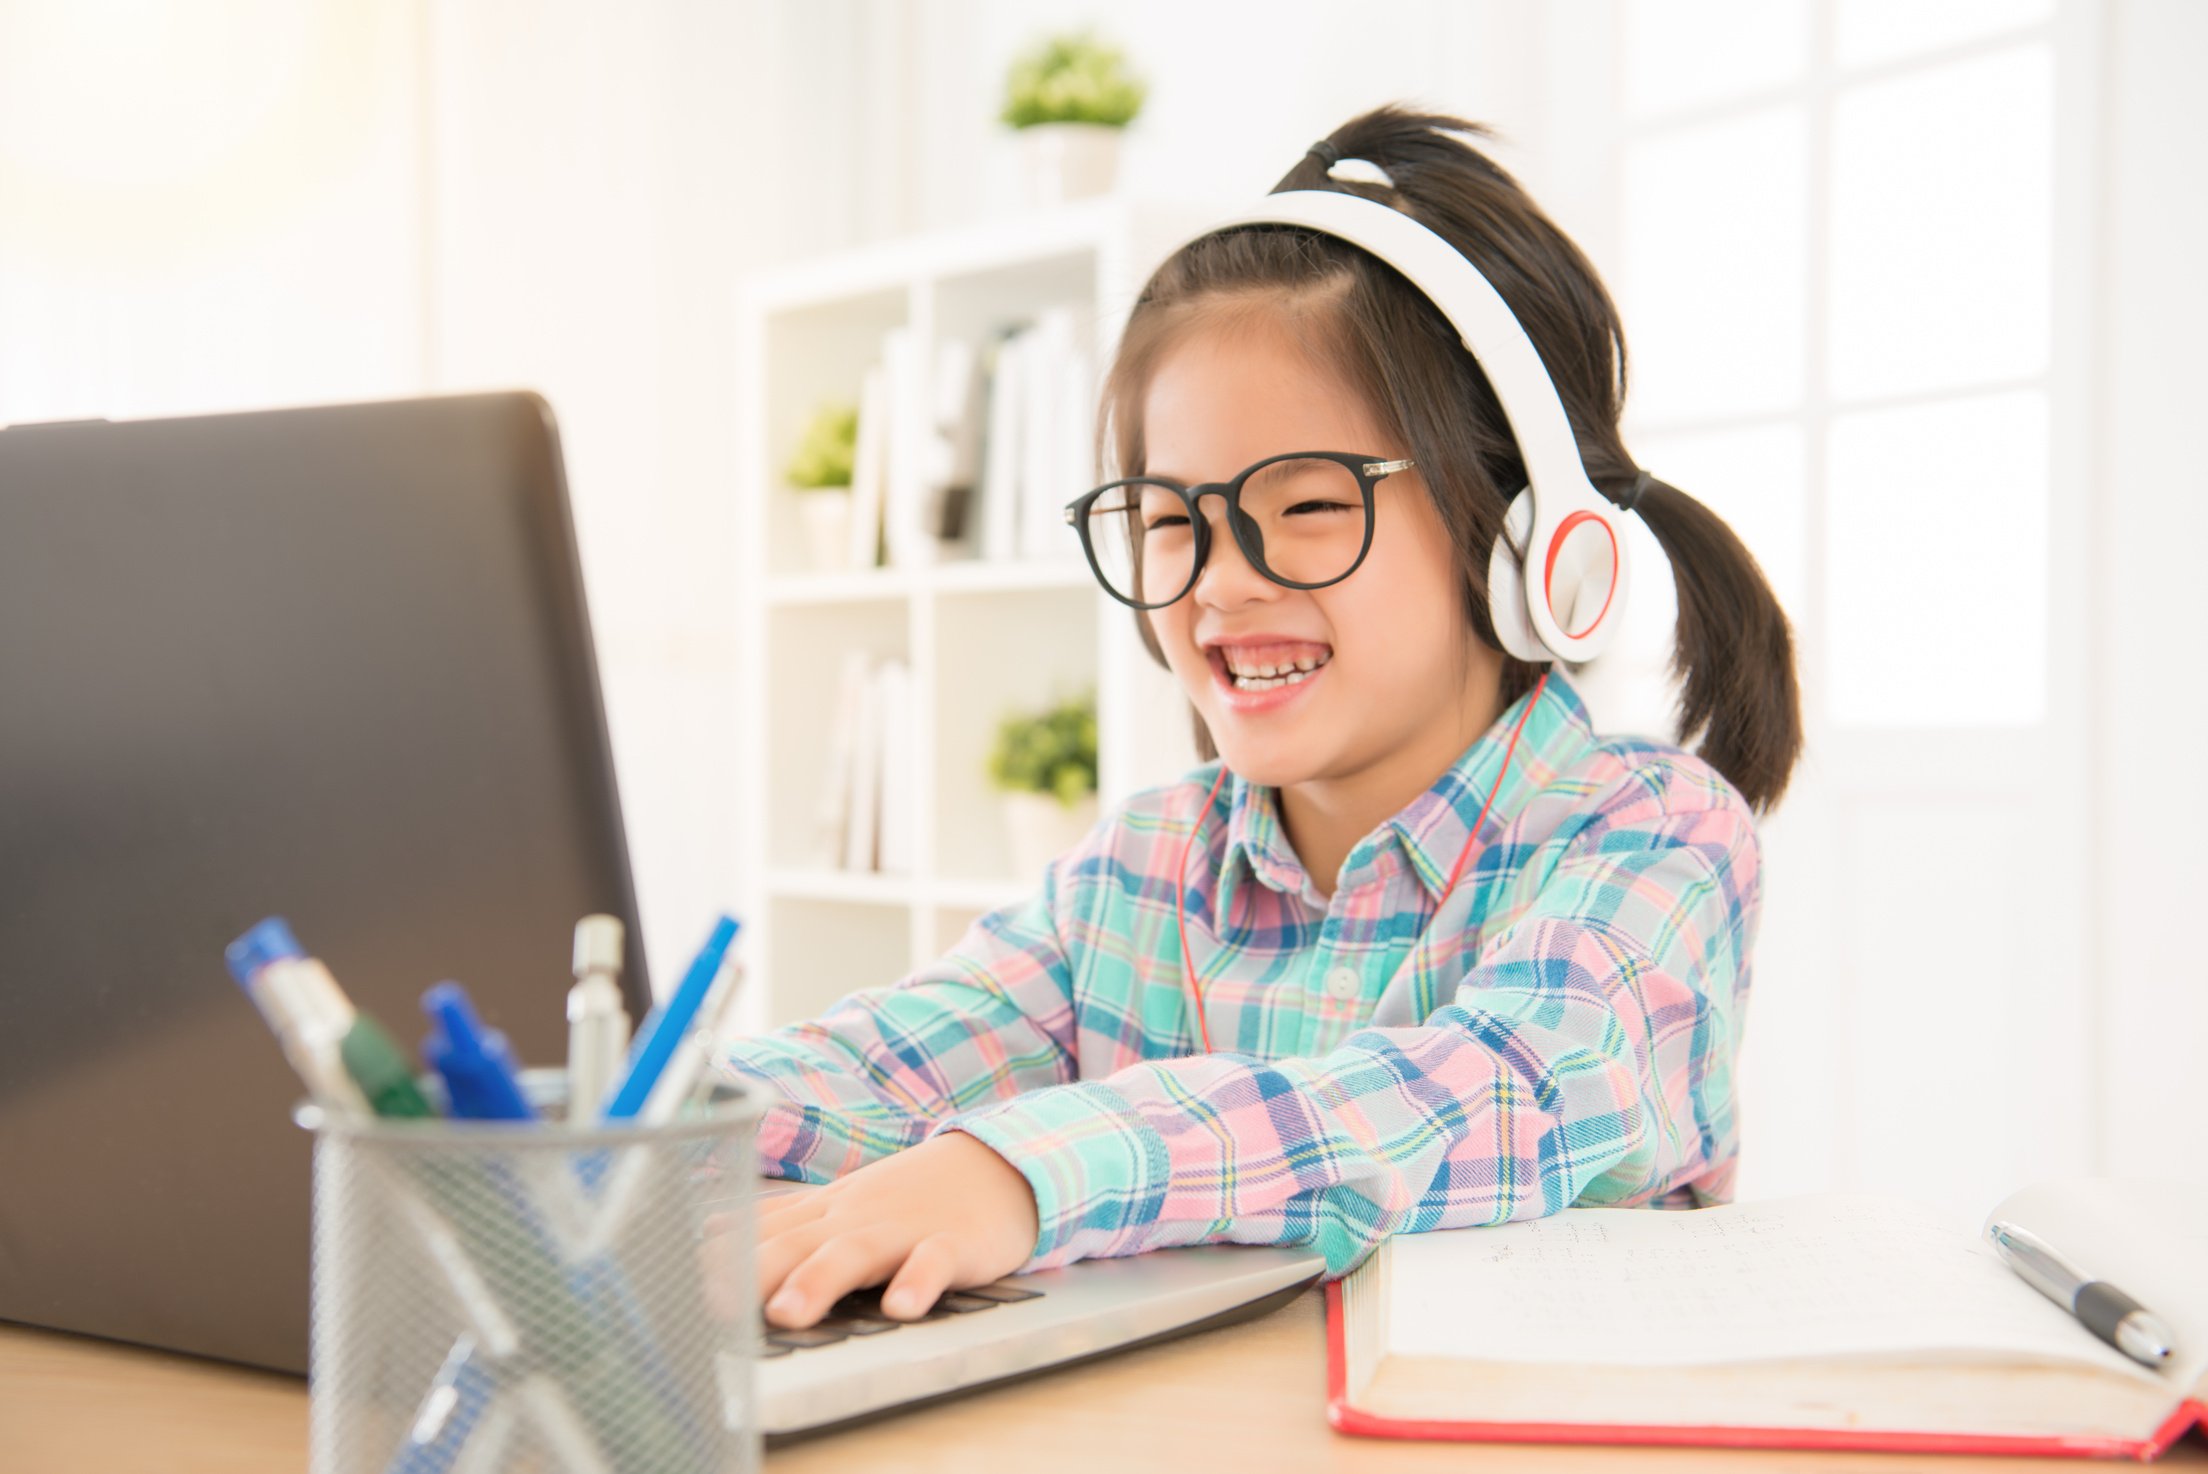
(1368, 471)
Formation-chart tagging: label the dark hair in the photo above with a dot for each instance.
(1387, 342)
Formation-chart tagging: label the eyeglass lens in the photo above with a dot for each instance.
(1302, 521)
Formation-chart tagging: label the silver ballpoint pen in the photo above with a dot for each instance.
(2107, 1312)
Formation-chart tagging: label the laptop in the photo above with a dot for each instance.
(857, 1364)
(334, 664)
(328, 663)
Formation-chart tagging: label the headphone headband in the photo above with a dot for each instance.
(1565, 503)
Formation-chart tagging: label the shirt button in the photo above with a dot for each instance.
(1342, 983)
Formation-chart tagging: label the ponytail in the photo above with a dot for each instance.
(1733, 652)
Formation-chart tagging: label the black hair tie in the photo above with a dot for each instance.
(1633, 494)
(1328, 154)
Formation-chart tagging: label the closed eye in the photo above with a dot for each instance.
(1176, 521)
(1323, 507)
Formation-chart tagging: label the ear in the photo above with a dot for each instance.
(1506, 583)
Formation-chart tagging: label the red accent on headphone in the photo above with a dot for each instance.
(1180, 869)
(1548, 573)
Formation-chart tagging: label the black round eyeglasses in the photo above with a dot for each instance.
(1303, 519)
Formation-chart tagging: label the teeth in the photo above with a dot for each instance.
(1267, 670)
(1261, 683)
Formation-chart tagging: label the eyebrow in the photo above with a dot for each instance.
(1193, 480)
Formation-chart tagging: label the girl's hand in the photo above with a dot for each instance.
(942, 1215)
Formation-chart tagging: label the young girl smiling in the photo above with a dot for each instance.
(1420, 949)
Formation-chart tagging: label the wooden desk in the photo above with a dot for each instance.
(1245, 1397)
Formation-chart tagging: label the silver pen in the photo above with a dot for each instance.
(597, 1024)
(2107, 1312)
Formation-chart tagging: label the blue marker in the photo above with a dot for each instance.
(478, 1067)
(664, 1027)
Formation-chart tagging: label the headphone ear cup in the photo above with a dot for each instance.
(1506, 584)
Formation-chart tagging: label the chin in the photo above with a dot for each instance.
(1272, 762)
(1277, 774)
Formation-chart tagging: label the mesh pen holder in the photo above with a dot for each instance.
(495, 1295)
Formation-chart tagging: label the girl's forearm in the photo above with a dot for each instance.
(1575, 1071)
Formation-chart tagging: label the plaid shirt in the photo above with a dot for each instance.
(1564, 1035)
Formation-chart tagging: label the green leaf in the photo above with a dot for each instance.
(1051, 752)
(1072, 78)
(826, 448)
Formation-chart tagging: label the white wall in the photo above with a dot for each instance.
(206, 208)
(1237, 91)
(2152, 703)
(582, 230)
(241, 203)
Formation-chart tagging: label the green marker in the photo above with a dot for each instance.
(380, 1068)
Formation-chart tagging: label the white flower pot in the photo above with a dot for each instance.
(1041, 829)
(826, 514)
(1060, 162)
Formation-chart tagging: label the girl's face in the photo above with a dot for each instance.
(1401, 686)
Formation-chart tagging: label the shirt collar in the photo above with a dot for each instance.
(1432, 828)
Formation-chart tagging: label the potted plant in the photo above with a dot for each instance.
(1069, 97)
(1045, 766)
(819, 473)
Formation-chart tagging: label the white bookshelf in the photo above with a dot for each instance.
(981, 638)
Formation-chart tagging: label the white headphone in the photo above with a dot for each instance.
(1565, 598)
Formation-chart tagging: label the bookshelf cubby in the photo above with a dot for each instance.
(982, 638)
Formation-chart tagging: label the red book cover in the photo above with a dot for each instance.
(1348, 1418)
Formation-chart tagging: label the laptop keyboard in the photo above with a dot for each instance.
(860, 1314)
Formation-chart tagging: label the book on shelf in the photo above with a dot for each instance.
(1000, 458)
(956, 438)
(1075, 468)
(862, 833)
(978, 450)
(869, 452)
(906, 493)
(1056, 420)
(893, 852)
(1835, 1320)
(843, 736)
(867, 814)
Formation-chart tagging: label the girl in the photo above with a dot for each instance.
(1175, 1040)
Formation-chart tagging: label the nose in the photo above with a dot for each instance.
(1227, 579)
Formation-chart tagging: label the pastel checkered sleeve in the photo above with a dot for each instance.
(1586, 1058)
(874, 1073)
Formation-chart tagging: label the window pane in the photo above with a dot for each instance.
(1686, 53)
(1936, 547)
(1868, 31)
(1712, 284)
(1752, 478)
(1941, 219)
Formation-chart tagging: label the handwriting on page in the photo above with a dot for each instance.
(1833, 1274)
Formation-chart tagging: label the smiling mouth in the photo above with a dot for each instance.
(1267, 668)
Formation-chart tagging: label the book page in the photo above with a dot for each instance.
(1831, 1274)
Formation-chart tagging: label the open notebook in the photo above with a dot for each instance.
(1835, 1320)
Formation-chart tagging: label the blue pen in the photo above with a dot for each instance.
(479, 1070)
(664, 1027)
(449, 1414)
